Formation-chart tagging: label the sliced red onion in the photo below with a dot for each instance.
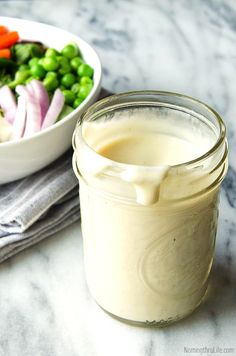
(22, 90)
(33, 114)
(42, 96)
(33, 117)
(30, 88)
(20, 118)
(8, 103)
(55, 108)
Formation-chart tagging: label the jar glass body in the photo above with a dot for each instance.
(148, 258)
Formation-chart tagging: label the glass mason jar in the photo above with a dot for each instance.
(149, 230)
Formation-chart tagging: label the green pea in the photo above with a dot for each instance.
(23, 67)
(51, 74)
(40, 61)
(33, 61)
(84, 91)
(37, 71)
(66, 110)
(75, 88)
(68, 80)
(64, 65)
(21, 76)
(62, 60)
(70, 51)
(85, 70)
(86, 80)
(50, 82)
(76, 62)
(69, 96)
(51, 52)
(49, 63)
(77, 102)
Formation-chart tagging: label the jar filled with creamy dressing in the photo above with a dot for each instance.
(149, 165)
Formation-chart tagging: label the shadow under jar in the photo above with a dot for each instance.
(149, 165)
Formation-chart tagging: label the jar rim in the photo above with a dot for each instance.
(101, 104)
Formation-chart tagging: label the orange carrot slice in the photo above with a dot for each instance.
(8, 39)
(3, 30)
(5, 53)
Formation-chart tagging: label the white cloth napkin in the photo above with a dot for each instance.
(38, 206)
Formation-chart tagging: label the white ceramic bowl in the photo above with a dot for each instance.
(28, 155)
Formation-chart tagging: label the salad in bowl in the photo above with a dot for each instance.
(48, 77)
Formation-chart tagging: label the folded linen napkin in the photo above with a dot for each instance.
(39, 205)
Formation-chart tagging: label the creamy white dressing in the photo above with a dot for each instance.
(146, 258)
(145, 149)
